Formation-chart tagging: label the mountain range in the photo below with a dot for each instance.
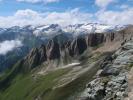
(75, 62)
(33, 36)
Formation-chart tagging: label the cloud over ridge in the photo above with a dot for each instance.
(9, 45)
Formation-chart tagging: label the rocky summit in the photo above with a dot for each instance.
(90, 66)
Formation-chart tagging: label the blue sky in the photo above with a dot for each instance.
(8, 7)
(91, 7)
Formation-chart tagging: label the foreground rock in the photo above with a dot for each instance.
(111, 81)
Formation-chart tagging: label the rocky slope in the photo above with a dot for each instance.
(33, 36)
(111, 81)
(71, 49)
(61, 67)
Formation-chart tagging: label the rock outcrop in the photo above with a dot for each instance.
(77, 47)
(110, 82)
(53, 50)
(57, 48)
(95, 39)
(35, 57)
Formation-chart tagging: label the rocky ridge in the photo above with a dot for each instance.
(111, 81)
(67, 65)
(71, 49)
(33, 36)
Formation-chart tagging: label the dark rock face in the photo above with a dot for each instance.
(42, 53)
(95, 39)
(35, 57)
(32, 59)
(39, 55)
(110, 37)
(77, 47)
(53, 50)
(61, 46)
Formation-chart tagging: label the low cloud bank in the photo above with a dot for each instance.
(7, 46)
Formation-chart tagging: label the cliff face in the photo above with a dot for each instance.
(73, 48)
(77, 46)
(95, 39)
(53, 50)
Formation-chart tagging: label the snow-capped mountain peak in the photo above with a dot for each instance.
(54, 29)
(47, 30)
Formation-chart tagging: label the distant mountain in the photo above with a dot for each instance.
(55, 29)
(61, 67)
(27, 39)
(33, 36)
(75, 30)
(91, 28)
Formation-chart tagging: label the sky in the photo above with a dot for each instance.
(65, 12)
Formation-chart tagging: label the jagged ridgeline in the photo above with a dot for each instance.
(60, 68)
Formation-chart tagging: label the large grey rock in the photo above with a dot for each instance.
(112, 83)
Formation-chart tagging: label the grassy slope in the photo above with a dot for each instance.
(25, 87)
(28, 87)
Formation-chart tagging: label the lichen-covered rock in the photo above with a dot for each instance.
(112, 82)
(95, 90)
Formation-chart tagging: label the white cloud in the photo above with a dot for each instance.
(124, 6)
(116, 17)
(7, 46)
(38, 1)
(26, 17)
(104, 3)
(74, 16)
(69, 17)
